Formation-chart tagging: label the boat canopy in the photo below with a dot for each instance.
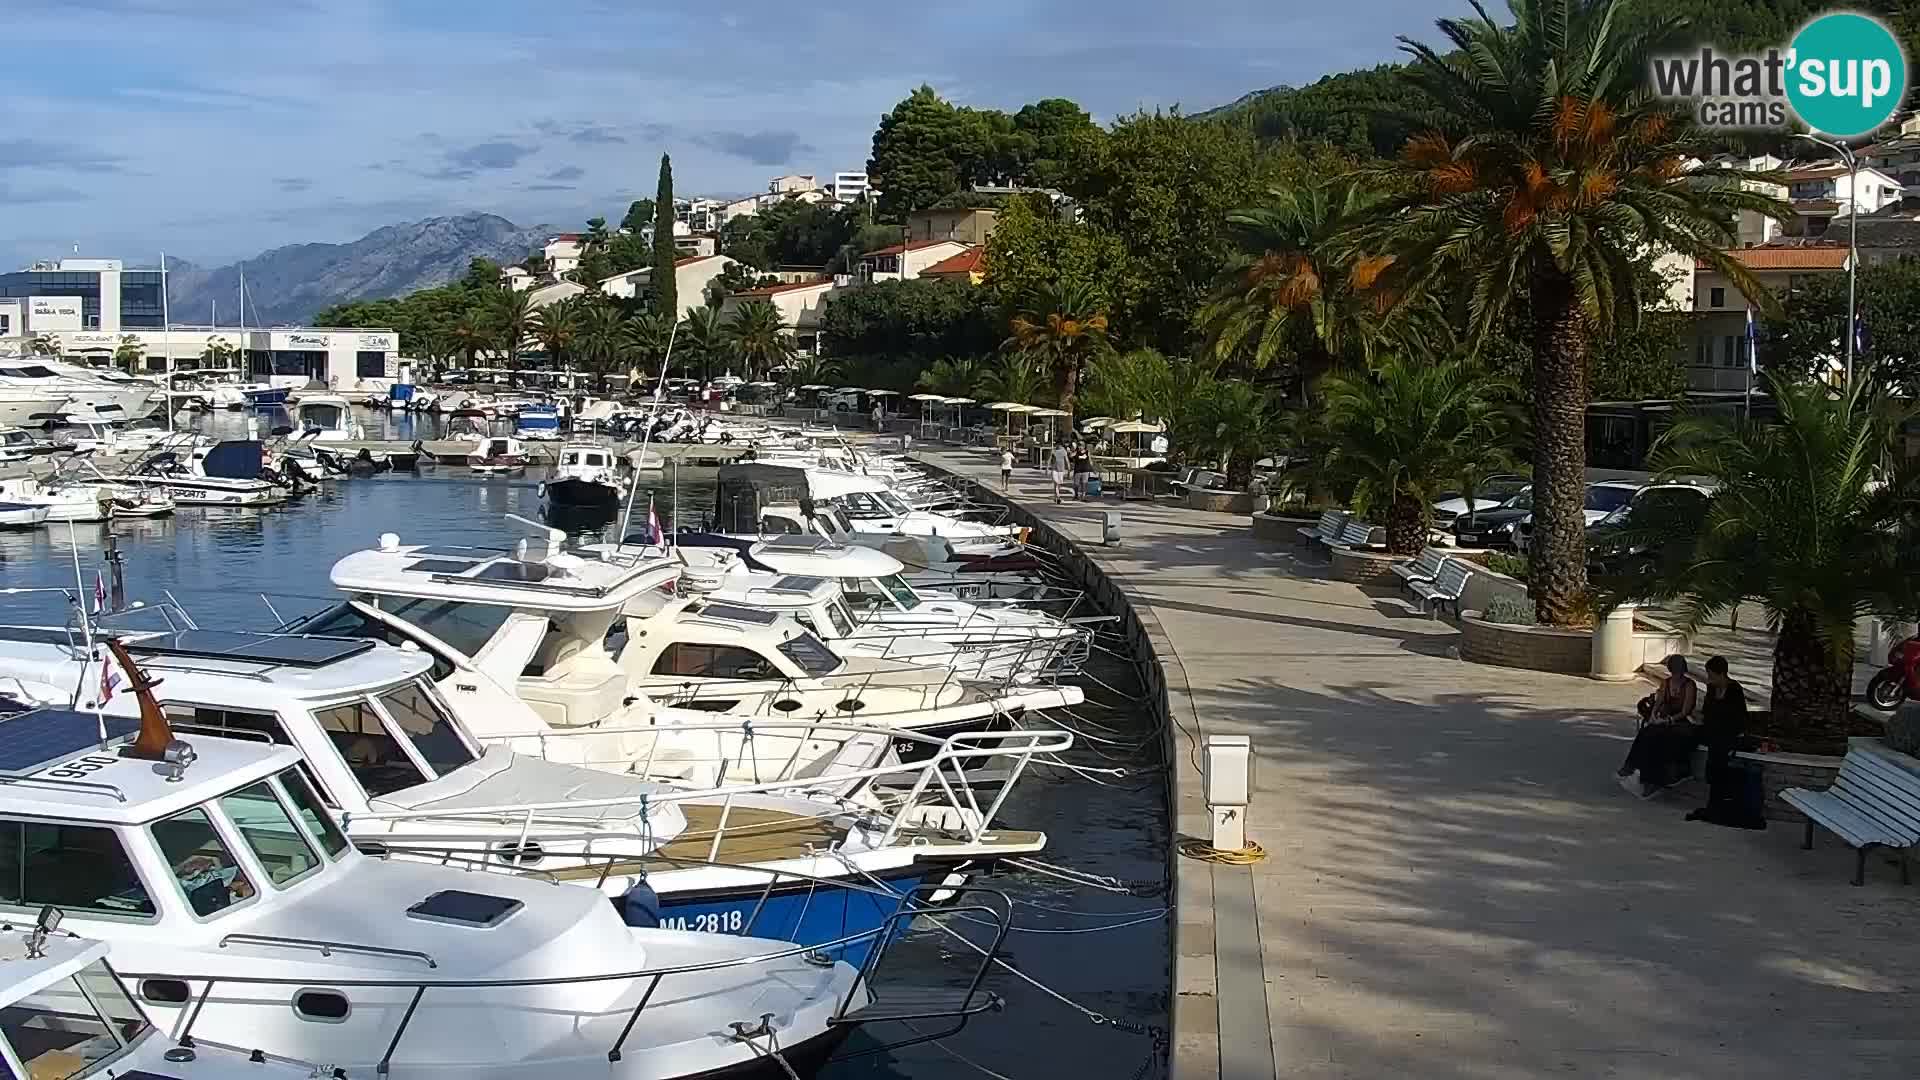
(234, 459)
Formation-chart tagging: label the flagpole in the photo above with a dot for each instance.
(1753, 362)
(86, 628)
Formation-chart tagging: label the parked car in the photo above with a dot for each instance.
(1492, 494)
(1609, 550)
(1493, 528)
(1603, 498)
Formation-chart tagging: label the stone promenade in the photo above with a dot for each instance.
(1456, 887)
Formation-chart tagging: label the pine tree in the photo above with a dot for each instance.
(665, 299)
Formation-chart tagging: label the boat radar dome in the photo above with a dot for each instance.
(389, 541)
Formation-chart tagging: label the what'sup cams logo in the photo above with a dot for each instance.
(1844, 74)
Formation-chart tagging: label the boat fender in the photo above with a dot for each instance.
(543, 489)
(641, 906)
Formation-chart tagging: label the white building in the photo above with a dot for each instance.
(691, 276)
(850, 187)
(802, 306)
(516, 278)
(792, 184)
(563, 252)
(902, 262)
(1821, 193)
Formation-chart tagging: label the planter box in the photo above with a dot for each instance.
(1535, 648)
(1221, 502)
(1277, 527)
(1483, 585)
(1367, 567)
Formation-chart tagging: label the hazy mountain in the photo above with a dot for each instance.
(287, 285)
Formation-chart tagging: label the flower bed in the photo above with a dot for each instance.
(1535, 648)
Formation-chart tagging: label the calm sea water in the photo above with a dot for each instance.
(220, 563)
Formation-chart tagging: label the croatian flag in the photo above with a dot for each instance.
(109, 679)
(1753, 344)
(99, 593)
(654, 535)
(1860, 334)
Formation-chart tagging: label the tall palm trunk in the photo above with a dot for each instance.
(1406, 526)
(1069, 381)
(1557, 563)
(1812, 690)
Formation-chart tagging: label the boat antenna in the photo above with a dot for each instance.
(86, 630)
(659, 392)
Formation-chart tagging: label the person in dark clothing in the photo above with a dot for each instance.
(1723, 716)
(1662, 753)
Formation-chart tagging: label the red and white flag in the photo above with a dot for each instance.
(109, 679)
(654, 535)
(99, 592)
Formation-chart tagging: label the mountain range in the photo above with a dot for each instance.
(287, 285)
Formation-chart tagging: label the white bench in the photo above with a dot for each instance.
(1329, 528)
(1449, 581)
(1424, 568)
(1872, 803)
(1355, 535)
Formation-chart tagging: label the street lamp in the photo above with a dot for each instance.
(1853, 239)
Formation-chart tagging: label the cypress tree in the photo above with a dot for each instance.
(665, 300)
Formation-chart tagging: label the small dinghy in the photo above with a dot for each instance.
(498, 456)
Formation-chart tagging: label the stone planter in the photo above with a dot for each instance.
(1627, 642)
(1220, 502)
(1535, 648)
(1483, 585)
(1280, 527)
(1367, 567)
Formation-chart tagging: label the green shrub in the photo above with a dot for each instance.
(1509, 610)
(1500, 562)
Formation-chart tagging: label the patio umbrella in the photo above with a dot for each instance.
(816, 386)
(1135, 427)
(1097, 423)
(1050, 415)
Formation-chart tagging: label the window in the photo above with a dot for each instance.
(898, 588)
(6, 325)
(208, 874)
(1608, 498)
(75, 867)
(370, 365)
(66, 1029)
(375, 757)
(1717, 298)
(1730, 354)
(427, 726)
(465, 627)
(343, 620)
(779, 526)
(713, 662)
(232, 722)
(312, 811)
(269, 831)
(840, 617)
(324, 1006)
(811, 654)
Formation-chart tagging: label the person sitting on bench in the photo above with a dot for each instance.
(1662, 752)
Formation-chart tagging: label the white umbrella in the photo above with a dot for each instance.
(1023, 408)
(926, 397)
(883, 393)
(1096, 423)
(959, 401)
(851, 390)
(816, 386)
(1004, 406)
(1131, 426)
(1051, 412)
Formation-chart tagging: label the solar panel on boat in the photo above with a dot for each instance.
(736, 613)
(441, 566)
(799, 583)
(512, 570)
(295, 650)
(33, 740)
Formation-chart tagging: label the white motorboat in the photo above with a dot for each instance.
(28, 408)
(866, 503)
(230, 473)
(498, 456)
(216, 865)
(64, 498)
(769, 857)
(81, 390)
(16, 444)
(539, 421)
(66, 1014)
(20, 515)
(325, 417)
(105, 438)
(587, 476)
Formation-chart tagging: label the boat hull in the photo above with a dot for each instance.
(21, 516)
(267, 398)
(571, 491)
(804, 912)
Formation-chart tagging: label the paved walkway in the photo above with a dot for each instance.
(1456, 887)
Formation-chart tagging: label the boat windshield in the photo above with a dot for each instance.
(307, 805)
(321, 416)
(69, 1027)
(206, 871)
(462, 626)
(897, 587)
(811, 654)
(29, 371)
(427, 726)
(841, 618)
(893, 502)
(344, 620)
(269, 831)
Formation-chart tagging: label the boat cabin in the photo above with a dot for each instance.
(324, 418)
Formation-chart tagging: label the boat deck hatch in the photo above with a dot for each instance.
(736, 613)
(32, 740)
(797, 583)
(440, 566)
(513, 570)
(457, 907)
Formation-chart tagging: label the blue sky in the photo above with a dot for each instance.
(220, 128)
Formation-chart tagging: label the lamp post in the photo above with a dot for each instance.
(1853, 240)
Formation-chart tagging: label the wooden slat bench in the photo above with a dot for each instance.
(1449, 581)
(1872, 803)
(1328, 530)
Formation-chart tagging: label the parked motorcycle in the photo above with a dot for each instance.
(1895, 682)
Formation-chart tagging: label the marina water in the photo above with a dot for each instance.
(1105, 951)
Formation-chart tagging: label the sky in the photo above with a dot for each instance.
(215, 129)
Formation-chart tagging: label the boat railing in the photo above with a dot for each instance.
(939, 777)
(82, 787)
(324, 948)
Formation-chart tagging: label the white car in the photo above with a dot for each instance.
(1494, 492)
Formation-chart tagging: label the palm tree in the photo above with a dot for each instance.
(702, 338)
(596, 237)
(954, 376)
(603, 341)
(1294, 290)
(1552, 175)
(1397, 435)
(820, 371)
(1141, 382)
(1018, 379)
(471, 333)
(648, 336)
(218, 354)
(513, 314)
(127, 355)
(1062, 325)
(758, 335)
(1231, 422)
(557, 328)
(1813, 519)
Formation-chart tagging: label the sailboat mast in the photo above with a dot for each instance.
(166, 336)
